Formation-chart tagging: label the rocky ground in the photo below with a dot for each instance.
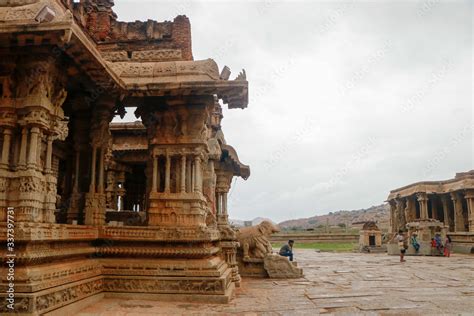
(336, 283)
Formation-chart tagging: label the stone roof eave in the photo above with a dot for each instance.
(433, 187)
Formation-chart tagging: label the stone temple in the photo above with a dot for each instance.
(116, 209)
(428, 207)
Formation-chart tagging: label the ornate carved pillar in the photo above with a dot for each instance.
(189, 176)
(458, 216)
(167, 173)
(24, 141)
(93, 169)
(434, 208)
(410, 211)
(393, 216)
(154, 185)
(400, 204)
(183, 174)
(33, 150)
(40, 94)
(49, 154)
(224, 204)
(198, 174)
(95, 200)
(7, 134)
(423, 200)
(447, 220)
(100, 185)
(469, 196)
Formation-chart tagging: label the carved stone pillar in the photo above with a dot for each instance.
(445, 201)
(434, 208)
(183, 174)
(23, 145)
(100, 185)
(410, 209)
(400, 204)
(458, 216)
(49, 154)
(167, 173)
(93, 169)
(393, 216)
(7, 134)
(96, 200)
(189, 176)
(219, 203)
(154, 184)
(423, 200)
(33, 150)
(469, 196)
(224, 204)
(198, 174)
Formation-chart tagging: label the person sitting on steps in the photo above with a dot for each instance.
(287, 250)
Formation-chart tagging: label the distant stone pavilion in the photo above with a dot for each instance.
(445, 207)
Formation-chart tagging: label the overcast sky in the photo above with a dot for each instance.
(348, 100)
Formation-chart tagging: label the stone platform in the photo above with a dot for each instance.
(335, 283)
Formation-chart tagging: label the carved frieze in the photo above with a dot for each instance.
(165, 286)
(200, 69)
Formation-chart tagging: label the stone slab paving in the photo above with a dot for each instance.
(336, 283)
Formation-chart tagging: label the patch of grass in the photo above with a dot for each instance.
(323, 246)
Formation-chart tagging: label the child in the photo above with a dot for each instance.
(433, 247)
(414, 242)
(401, 244)
(439, 244)
(447, 246)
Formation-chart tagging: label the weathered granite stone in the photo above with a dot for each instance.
(280, 267)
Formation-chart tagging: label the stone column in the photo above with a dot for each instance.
(7, 137)
(183, 174)
(100, 185)
(393, 216)
(189, 176)
(469, 196)
(410, 209)
(400, 204)
(24, 141)
(39, 149)
(154, 184)
(167, 174)
(33, 147)
(76, 172)
(219, 203)
(434, 208)
(224, 203)
(458, 217)
(423, 200)
(177, 175)
(197, 177)
(444, 201)
(49, 155)
(93, 166)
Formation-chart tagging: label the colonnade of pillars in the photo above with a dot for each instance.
(28, 151)
(457, 209)
(187, 174)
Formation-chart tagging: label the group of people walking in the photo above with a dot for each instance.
(438, 247)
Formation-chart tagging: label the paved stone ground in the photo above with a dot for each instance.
(336, 283)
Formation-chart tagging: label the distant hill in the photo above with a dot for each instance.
(379, 213)
(255, 221)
